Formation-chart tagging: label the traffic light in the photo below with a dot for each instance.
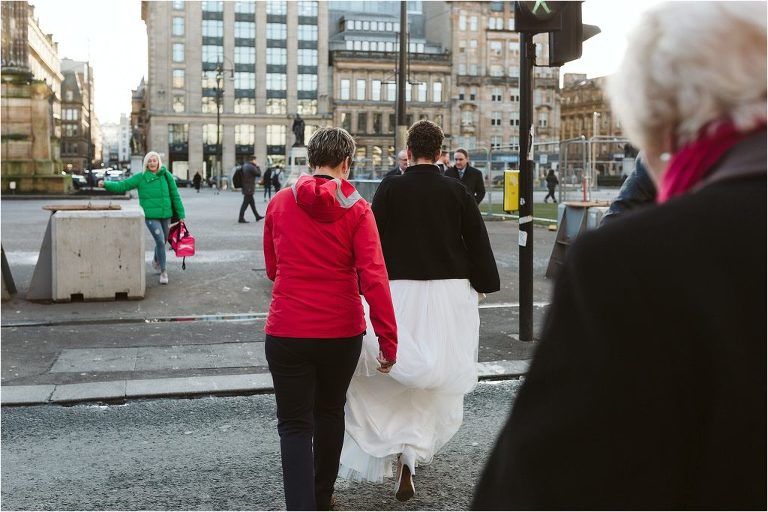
(565, 44)
(539, 16)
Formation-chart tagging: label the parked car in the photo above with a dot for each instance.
(78, 181)
(114, 175)
(181, 182)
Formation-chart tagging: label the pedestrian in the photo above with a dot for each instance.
(266, 182)
(471, 178)
(637, 191)
(552, 183)
(322, 254)
(647, 390)
(160, 200)
(250, 172)
(444, 163)
(277, 175)
(197, 180)
(439, 259)
(402, 164)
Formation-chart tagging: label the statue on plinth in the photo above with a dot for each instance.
(298, 131)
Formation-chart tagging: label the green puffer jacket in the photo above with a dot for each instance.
(154, 195)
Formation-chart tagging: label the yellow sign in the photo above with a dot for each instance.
(511, 191)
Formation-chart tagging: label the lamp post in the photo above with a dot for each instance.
(220, 70)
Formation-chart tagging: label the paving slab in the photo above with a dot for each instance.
(96, 360)
(89, 391)
(199, 385)
(24, 395)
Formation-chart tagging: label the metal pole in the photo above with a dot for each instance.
(525, 240)
(219, 93)
(402, 79)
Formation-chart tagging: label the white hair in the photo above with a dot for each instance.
(156, 155)
(688, 64)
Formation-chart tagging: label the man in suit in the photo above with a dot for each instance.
(443, 163)
(471, 178)
(402, 164)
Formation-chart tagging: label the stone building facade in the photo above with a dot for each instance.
(256, 64)
(78, 120)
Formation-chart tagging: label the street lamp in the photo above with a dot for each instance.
(220, 70)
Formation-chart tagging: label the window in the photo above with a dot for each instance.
(377, 122)
(495, 141)
(496, 70)
(244, 134)
(247, 55)
(473, 23)
(462, 22)
(439, 120)
(308, 107)
(308, 9)
(278, 7)
(245, 7)
(213, 28)
(461, 93)
(421, 92)
(473, 69)
(208, 105)
(360, 89)
(473, 94)
(276, 30)
(245, 80)
(275, 135)
(514, 119)
(543, 119)
(178, 133)
(178, 26)
(495, 48)
(467, 118)
(408, 88)
(344, 90)
(307, 32)
(277, 56)
(306, 82)
(70, 130)
(178, 103)
(178, 5)
(515, 143)
(213, 6)
(245, 29)
(213, 53)
(209, 79)
(362, 122)
(462, 69)
(178, 52)
(307, 57)
(473, 44)
(437, 92)
(391, 91)
(496, 94)
(346, 121)
(462, 46)
(376, 90)
(276, 106)
(178, 79)
(276, 81)
(69, 114)
(495, 118)
(245, 105)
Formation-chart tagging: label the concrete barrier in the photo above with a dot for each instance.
(91, 255)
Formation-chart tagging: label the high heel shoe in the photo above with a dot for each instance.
(404, 489)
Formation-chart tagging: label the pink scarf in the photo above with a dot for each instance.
(694, 160)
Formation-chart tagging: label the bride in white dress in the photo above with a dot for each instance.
(438, 258)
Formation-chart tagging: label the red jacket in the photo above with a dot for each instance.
(319, 237)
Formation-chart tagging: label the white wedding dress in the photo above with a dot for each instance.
(418, 407)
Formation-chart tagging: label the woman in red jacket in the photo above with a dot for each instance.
(321, 249)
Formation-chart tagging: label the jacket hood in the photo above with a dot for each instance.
(325, 200)
(149, 175)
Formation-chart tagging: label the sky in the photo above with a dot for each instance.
(111, 34)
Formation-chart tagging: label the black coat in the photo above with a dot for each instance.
(249, 174)
(430, 228)
(394, 172)
(473, 180)
(647, 389)
(636, 192)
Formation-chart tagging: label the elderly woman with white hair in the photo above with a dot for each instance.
(160, 200)
(648, 386)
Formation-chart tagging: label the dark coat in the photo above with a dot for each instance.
(647, 389)
(394, 172)
(250, 173)
(473, 180)
(552, 181)
(431, 228)
(636, 192)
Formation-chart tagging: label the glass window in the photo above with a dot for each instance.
(439, 120)
(213, 28)
(437, 92)
(358, 25)
(473, 69)
(276, 30)
(408, 88)
(467, 119)
(246, 55)
(306, 82)
(245, 105)
(381, 26)
(244, 134)
(178, 133)
(245, 29)
(390, 46)
(462, 22)
(473, 43)
(495, 118)
(496, 70)
(245, 80)
(461, 93)
(277, 106)
(422, 92)
(377, 122)
(277, 56)
(346, 121)
(209, 79)
(349, 45)
(178, 103)
(390, 26)
(543, 119)
(178, 78)
(376, 90)
(344, 89)
(514, 119)
(278, 7)
(473, 23)
(462, 69)
(366, 46)
(276, 81)
(178, 26)
(178, 5)
(213, 53)
(208, 105)
(495, 48)
(349, 24)
(307, 57)
(245, 7)
(308, 107)
(275, 135)
(391, 91)
(307, 32)
(211, 133)
(213, 6)
(360, 90)
(362, 122)
(307, 8)
(178, 52)
(366, 25)
(495, 141)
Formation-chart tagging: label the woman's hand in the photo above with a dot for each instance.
(384, 365)
(100, 184)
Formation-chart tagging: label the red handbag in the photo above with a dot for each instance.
(182, 242)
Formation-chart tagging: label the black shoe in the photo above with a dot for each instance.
(259, 217)
(242, 221)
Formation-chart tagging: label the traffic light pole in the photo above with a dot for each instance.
(525, 239)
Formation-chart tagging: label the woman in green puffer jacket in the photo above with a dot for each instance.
(157, 192)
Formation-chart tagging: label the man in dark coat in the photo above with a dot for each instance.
(402, 164)
(638, 191)
(471, 178)
(250, 172)
(647, 389)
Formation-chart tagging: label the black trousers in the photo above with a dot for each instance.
(248, 200)
(550, 194)
(311, 377)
